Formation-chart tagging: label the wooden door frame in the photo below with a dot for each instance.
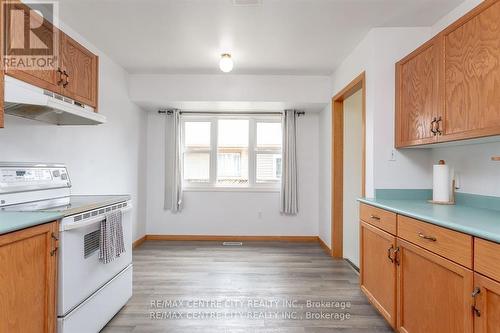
(337, 211)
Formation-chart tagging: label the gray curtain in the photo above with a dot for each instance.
(173, 162)
(289, 195)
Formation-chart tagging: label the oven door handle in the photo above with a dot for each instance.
(87, 222)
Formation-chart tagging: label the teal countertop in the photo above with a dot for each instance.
(13, 221)
(475, 221)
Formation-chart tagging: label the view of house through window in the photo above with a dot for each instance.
(268, 150)
(232, 152)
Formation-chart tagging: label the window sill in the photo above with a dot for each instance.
(231, 189)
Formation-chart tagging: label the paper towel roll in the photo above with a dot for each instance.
(441, 183)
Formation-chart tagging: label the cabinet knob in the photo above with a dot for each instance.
(375, 217)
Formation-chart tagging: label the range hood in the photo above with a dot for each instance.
(28, 101)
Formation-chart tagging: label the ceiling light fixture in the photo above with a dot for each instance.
(226, 63)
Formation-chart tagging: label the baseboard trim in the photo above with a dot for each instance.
(139, 242)
(356, 268)
(296, 239)
(325, 247)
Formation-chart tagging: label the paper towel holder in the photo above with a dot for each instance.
(453, 189)
(452, 198)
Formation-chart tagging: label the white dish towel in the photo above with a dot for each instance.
(111, 239)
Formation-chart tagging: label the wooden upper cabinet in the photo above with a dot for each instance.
(42, 41)
(378, 271)
(434, 294)
(75, 70)
(455, 78)
(472, 75)
(28, 280)
(487, 305)
(417, 95)
(80, 68)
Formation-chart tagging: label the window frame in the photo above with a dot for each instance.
(212, 184)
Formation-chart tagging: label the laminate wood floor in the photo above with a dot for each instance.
(261, 287)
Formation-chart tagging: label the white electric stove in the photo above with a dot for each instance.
(90, 293)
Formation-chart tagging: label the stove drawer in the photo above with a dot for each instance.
(80, 271)
(95, 312)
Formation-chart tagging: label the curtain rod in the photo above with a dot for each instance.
(169, 112)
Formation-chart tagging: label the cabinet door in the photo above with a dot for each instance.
(28, 280)
(80, 66)
(42, 41)
(472, 75)
(418, 95)
(378, 271)
(487, 319)
(434, 294)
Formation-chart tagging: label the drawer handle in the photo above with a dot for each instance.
(375, 217)
(431, 238)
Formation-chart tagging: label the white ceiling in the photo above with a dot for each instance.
(309, 37)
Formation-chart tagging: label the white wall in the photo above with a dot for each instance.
(105, 159)
(353, 155)
(164, 89)
(233, 213)
(478, 174)
(377, 54)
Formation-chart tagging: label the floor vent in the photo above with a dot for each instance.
(247, 2)
(232, 244)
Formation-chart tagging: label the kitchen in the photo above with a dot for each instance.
(126, 155)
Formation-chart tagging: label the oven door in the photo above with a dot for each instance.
(80, 271)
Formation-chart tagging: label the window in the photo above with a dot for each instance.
(197, 152)
(268, 151)
(234, 152)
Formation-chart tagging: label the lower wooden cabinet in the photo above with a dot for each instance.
(487, 305)
(378, 272)
(28, 271)
(434, 294)
(421, 278)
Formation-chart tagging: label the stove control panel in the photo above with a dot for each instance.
(17, 178)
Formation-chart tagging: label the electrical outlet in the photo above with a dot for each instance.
(392, 155)
(259, 215)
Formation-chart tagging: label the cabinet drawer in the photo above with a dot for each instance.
(380, 218)
(450, 244)
(487, 258)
